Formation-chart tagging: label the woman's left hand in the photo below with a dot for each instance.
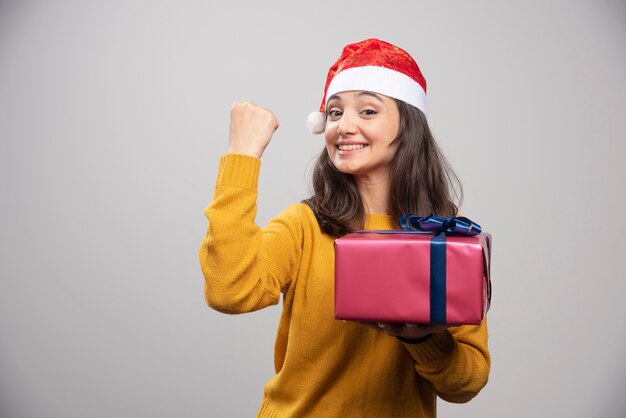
(410, 331)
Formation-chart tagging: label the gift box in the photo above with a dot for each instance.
(418, 276)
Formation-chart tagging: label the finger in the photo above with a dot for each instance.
(413, 330)
(371, 325)
(439, 328)
(391, 328)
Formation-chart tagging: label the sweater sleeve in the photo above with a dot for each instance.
(246, 268)
(456, 362)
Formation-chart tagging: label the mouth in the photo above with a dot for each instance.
(351, 147)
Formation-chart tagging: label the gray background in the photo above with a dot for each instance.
(113, 116)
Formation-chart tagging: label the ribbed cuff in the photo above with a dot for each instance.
(238, 170)
(437, 346)
(266, 411)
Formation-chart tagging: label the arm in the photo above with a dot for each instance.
(245, 268)
(456, 361)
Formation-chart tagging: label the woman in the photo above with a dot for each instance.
(380, 162)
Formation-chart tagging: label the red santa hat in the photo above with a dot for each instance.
(376, 66)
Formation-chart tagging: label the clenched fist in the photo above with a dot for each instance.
(251, 128)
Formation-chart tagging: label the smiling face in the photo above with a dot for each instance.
(360, 130)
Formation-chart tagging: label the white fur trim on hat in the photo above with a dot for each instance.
(381, 80)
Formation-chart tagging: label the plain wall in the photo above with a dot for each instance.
(113, 116)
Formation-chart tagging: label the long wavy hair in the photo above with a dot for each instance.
(421, 181)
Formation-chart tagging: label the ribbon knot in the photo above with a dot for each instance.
(437, 224)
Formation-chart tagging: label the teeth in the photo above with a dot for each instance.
(351, 147)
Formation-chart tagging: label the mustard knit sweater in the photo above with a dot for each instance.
(324, 367)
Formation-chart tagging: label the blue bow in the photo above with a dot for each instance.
(437, 224)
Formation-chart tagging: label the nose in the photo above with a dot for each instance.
(347, 125)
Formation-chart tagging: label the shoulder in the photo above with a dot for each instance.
(298, 213)
(299, 219)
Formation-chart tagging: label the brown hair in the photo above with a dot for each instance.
(421, 181)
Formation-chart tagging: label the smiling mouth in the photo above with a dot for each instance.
(351, 147)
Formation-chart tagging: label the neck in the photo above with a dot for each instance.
(374, 194)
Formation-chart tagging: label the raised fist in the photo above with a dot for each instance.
(251, 128)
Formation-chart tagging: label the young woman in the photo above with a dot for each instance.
(379, 163)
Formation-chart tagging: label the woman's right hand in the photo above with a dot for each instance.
(251, 129)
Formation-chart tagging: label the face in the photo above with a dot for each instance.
(360, 130)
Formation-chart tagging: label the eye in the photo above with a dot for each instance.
(369, 112)
(334, 114)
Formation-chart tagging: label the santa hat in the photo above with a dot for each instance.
(375, 66)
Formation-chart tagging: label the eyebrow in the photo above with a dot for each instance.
(369, 93)
(362, 93)
(333, 97)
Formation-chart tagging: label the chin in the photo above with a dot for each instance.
(345, 168)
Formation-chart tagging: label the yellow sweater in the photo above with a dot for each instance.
(324, 367)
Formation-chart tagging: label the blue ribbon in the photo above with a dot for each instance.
(438, 279)
(439, 226)
(436, 224)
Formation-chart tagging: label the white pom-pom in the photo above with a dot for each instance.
(316, 122)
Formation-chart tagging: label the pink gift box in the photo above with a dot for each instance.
(386, 276)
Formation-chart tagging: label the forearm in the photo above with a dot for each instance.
(235, 276)
(456, 362)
